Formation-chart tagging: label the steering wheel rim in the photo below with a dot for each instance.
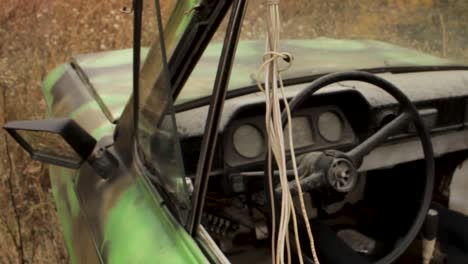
(409, 113)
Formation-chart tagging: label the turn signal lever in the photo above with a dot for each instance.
(330, 172)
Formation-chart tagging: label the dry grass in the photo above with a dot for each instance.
(36, 35)
(438, 27)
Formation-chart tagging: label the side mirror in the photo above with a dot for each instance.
(59, 141)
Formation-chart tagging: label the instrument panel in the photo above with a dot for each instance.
(313, 129)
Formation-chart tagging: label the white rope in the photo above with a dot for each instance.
(273, 83)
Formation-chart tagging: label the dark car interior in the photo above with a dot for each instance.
(367, 222)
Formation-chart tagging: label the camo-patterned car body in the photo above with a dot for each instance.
(124, 220)
(118, 221)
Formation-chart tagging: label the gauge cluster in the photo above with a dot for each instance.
(313, 129)
(248, 141)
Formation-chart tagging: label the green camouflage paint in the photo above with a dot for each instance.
(75, 230)
(149, 223)
(123, 221)
(182, 13)
(106, 59)
(141, 227)
(96, 226)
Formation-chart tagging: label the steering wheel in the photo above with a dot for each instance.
(337, 171)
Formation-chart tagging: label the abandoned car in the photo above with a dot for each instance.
(170, 153)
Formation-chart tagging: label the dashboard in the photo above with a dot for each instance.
(313, 129)
(338, 118)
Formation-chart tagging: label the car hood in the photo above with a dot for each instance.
(110, 73)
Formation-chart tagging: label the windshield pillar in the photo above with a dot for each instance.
(214, 113)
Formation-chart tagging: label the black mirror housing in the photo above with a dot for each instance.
(58, 141)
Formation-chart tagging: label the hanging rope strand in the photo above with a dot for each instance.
(274, 92)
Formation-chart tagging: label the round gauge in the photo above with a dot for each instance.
(330, 126)
(248, 141)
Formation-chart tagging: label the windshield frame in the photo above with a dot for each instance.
(205, 100)
(204, 19)
(213, 119)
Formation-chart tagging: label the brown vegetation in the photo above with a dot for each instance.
(36, 35)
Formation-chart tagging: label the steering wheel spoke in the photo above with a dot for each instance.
(357, 154)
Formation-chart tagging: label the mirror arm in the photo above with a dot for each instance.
(103, 159)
